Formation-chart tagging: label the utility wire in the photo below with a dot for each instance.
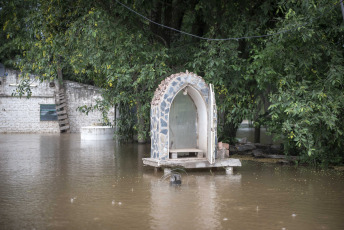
(219, 39)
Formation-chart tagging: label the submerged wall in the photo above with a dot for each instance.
(22, 115)
(78, 94)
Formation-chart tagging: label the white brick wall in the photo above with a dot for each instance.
(23, 115)
(13, 78)
(78, 95)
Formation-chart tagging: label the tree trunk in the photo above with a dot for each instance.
(257, 134)
(141, 137)
(59, 77)
(230, 130)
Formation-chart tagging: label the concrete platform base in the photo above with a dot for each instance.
(97, 133)
(192, 163)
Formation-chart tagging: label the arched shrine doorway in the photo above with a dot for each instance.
(184, 125)
(183, 119)
(188, 123)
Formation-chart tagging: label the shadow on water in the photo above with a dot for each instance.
(62, 182)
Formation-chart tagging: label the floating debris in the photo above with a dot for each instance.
(113, 202)
(72, 200)
(225, 219)
(175, 179)
(293, 215)
(119, 203)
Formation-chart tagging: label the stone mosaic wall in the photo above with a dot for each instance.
(160, 108)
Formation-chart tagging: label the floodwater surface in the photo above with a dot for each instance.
(62, 182)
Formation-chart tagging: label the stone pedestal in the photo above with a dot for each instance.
(221, 153)
(167, 171)
(174, 155)
(229, 170)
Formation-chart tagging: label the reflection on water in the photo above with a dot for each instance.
(61, 182)
(194, 204)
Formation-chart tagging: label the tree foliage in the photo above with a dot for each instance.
(304, 69)
(291, 82)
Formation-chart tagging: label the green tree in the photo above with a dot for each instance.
(304, 70)
(291, 82)
(225, 63)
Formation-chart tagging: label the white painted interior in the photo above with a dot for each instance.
(183, 132)
(202, 116)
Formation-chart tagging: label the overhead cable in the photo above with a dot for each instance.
(217, 39)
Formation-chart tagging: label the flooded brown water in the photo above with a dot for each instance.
(61, 182)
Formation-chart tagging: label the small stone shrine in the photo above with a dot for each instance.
(184, 125)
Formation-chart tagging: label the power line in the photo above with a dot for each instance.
(217, 39)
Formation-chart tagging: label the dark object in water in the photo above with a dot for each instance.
(175, 179)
